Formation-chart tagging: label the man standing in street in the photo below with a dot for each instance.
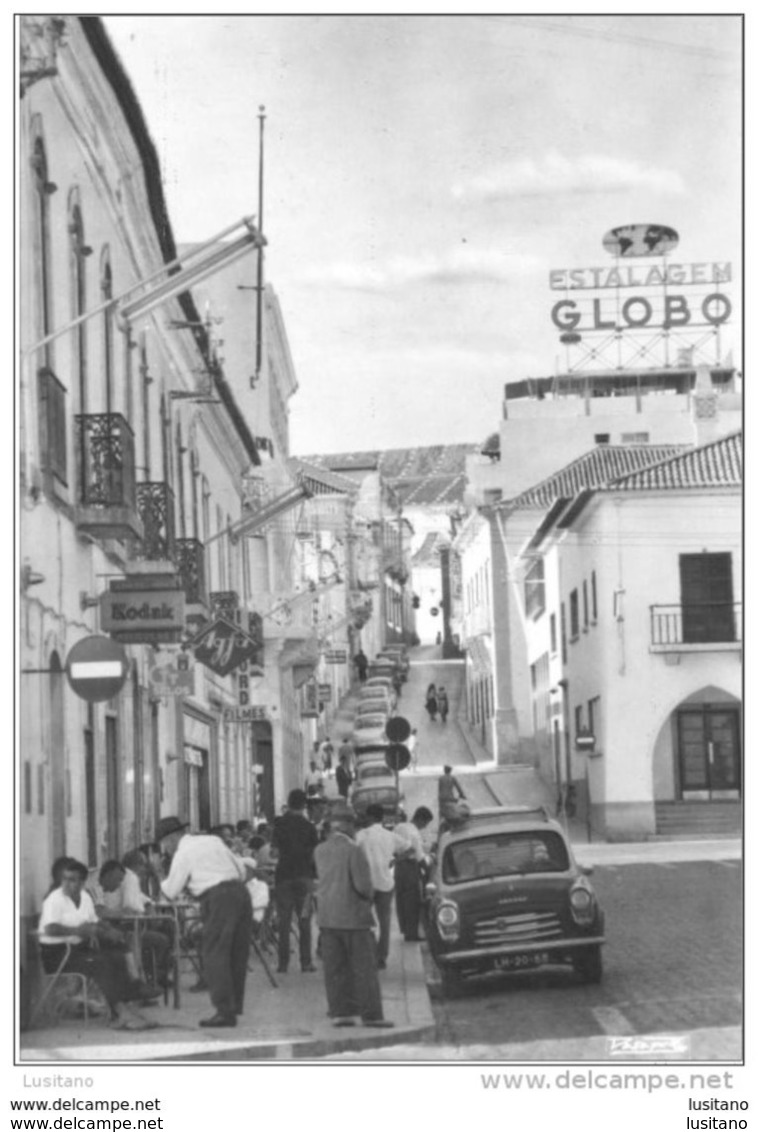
(212, 873)
(360, 660)
(348, 949)
(381, 846)
(408, 873)
(294, 840)
(343, 777)
(449, 794)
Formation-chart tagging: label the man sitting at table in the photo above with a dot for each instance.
(68, 917)
(123, 898)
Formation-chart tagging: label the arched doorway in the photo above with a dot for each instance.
(698, 752)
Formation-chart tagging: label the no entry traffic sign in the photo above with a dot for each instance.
(97, 668)
(398, 729)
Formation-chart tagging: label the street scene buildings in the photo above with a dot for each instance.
(194, 596)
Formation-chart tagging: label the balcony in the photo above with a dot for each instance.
(155, 505)
(190, 565)
(701, 627)
(106, 498)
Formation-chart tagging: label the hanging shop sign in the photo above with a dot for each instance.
(245, 673)
(251, 713)
(174, 676)
(325, 693)
(143, 616)
(336, 656)
(222, 647)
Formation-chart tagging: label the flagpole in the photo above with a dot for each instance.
(259, 290)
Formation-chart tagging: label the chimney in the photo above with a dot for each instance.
(704, 407)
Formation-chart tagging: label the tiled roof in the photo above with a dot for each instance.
(431, 476)
(323, 477)
(596, 468)
(428, 553)
(718, 464)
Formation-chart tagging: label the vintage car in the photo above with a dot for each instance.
(505, 894)
(375, 783)
(383, 682)
(375, 694)
(374, 706)
(368, 730)
(398, 656)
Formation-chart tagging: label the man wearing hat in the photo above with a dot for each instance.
(344, 901)
(205, 866)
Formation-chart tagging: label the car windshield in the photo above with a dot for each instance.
(504, 854)
(369, 722)
(373, 772)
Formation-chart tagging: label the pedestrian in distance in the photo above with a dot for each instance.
(347, 751)
(451, 797)
(205, 866)
(294, 840)
(442, 703)
(408, 868)
(326, 753)
(343, 777)
(360, 660)
(412, 744)
(344, 900)
(314, 781)
(430, 702)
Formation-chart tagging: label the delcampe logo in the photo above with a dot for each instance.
(658, 1045)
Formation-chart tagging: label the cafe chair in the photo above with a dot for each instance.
(61, 990)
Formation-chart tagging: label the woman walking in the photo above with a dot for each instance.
(431, 702)
(442, 704)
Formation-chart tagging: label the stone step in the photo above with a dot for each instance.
(698, 819)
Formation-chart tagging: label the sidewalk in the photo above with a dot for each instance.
(287, 1022)
(521, 786)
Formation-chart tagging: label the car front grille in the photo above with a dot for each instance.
(525, 927)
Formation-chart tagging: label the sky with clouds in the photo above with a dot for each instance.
(423, 176)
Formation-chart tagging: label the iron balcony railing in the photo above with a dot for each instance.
(105, 444)
(155, 504)
(190, 565)
(696, 623)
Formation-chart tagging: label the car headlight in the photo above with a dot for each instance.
(448, 920)
(582, 902)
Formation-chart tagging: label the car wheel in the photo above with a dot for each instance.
(588, 965)
(452, 982)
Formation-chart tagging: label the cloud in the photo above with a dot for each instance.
(556, 175)
(456, 266)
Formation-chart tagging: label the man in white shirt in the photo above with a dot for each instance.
(121, 897)
(408, 873)
(380, 846)
(209, 870)
(68, 917)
